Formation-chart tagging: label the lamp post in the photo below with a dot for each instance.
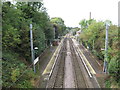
(32, 50)
(106, 49)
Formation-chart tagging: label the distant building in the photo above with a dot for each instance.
(77, 34)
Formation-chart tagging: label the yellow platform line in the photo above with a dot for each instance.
(52, 60)
(90, 67)
(87, 63)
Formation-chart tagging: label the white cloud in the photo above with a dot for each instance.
(72, 11)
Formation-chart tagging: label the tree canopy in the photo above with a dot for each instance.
(16, 19)
(59, 26)
(93, 36)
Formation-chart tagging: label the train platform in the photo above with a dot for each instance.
(73, 62)
(94, 63)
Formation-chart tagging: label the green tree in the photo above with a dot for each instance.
(59, 26)
(16, 40)
(85, 23)
(10, 31)
(94, 37)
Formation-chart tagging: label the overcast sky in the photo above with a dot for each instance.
(72, 11)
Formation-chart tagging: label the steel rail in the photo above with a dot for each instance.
(88, 71)
(56, 57)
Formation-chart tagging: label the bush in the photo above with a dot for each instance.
(107, 84)
(12, 69)
(114, 68)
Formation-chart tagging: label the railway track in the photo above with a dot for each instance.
(81, 75)
(57, 77)
(97, 67)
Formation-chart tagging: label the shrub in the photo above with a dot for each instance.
(13, 69)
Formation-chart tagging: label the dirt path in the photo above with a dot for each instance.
(69, 77)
